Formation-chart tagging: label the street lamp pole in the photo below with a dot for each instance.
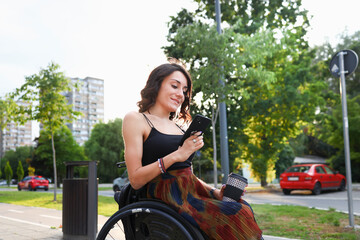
(224, 151)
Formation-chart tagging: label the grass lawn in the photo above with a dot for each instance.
(283, 221)
(106, 205)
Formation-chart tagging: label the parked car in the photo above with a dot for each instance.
(32, 183)
(120, 181)
(314, 177)
(3, 182)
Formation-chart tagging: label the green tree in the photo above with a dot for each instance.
(47, 104)
(286, 159)
(19, 154)
(324, 54)
(6, 106)
(254, 14)
(8, 173)
(328, 129)
(332, 133)
(269, 90)
(20, 171)
(67, 150)
(106, 145)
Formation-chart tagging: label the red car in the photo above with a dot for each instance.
(32, 183)
(314, 177)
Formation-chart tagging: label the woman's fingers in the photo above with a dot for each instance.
(197, 139)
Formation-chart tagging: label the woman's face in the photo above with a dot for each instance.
(172, 91)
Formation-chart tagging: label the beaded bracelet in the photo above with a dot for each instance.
(161, 165)
(161, 169)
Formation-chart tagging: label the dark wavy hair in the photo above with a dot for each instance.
(153, 84)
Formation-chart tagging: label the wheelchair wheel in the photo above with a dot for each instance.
(148, 220)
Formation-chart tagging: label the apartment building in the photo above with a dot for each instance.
(88, 99)
(15, 135)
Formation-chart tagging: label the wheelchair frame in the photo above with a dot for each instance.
(141, 218)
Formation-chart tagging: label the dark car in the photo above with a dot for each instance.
(32, 183)
(120, 181)
(314, 177)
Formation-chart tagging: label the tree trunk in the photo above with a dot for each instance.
(263, 182)
(54, 163)
(214, 117)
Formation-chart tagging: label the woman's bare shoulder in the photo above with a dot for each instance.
(133, 118)
(134, 122)
(133, 115)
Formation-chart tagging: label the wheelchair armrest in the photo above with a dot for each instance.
(128, 195)
(121, 164)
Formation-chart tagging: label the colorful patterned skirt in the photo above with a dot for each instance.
(218, 219)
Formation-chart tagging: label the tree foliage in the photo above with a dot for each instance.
(5, 110)
(67, 150)
(254, 14)
(43, 93)
(6, 106)
(106, 145)
(286, 159)
(20, 171)
(19, 154)
(8, 173)
(328, 128)
(264, 60)
(332, 133)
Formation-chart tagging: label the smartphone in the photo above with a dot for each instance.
(199, 123)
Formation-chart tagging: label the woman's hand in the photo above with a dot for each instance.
(219, 193)
(192, 144)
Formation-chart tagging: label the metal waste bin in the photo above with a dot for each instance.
(80, 202)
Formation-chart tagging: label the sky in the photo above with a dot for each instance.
(116, 40)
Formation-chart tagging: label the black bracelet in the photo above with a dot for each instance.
(212, 192)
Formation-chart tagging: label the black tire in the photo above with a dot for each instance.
(145, 220)
(19, 188)
(317, 189)
(342, 186)
(46, 189)
(30, 188)
(286, 191)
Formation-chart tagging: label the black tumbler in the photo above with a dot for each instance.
(235, 186)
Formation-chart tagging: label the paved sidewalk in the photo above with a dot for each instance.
(24, 223)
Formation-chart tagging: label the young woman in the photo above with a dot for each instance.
(155, 160)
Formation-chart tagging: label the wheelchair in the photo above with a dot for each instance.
(140, 218)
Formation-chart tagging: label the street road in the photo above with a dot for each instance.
(331, 199)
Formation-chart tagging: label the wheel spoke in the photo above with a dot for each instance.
(143, 223)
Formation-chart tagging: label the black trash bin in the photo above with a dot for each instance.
(80, 202)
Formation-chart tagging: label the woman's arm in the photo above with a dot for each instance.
(134, 129)
(217, 193)
(133, 133)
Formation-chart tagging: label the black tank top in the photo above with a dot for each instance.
(158, 145)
